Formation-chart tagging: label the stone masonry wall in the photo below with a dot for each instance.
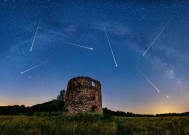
(83, 95)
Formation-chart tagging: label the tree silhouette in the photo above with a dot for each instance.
(61, 95)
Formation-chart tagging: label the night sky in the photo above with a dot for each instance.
(44, 43)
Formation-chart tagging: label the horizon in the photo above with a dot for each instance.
(103, 108)
(137, 50)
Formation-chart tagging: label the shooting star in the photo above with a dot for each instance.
(77, 45)
(34, 67)
(110, 46)
(162, 30)
(149, 81)
(34, 38)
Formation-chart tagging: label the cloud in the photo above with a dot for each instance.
(170, 73)
(168, 50)
(113, 28)
(168, 70)
(181, 83)
(70, 29)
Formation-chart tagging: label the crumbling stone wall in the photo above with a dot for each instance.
(83, 95)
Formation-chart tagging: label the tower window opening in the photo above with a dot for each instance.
(93, 84)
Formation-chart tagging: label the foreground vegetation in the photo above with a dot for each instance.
(92, 124)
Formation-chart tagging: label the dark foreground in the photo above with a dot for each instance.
(90, 124)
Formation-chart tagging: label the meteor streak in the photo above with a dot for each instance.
(78, 45)
(110, 47)
(34, 38)
(33, 67)
(162, 30)
(149, 81)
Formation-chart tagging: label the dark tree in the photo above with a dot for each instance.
(61, 95)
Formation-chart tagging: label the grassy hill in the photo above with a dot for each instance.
(93, 124)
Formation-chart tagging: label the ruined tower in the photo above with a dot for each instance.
(83, 95)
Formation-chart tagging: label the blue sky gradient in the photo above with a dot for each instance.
(131, 27)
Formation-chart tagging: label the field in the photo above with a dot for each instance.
(90, 124)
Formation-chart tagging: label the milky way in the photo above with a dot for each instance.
(33, 32)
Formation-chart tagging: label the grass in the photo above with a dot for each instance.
(92, 124)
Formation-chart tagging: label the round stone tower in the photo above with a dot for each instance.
(83, 95)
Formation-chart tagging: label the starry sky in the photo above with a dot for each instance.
(44, 43)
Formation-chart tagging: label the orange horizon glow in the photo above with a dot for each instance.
(139, 110)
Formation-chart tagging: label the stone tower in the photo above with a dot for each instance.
(83, 95)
